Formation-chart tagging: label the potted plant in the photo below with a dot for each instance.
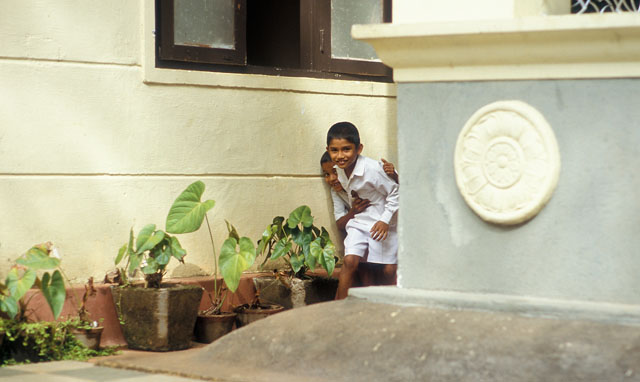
(87, 331)
(37, 341)
(302, 246)
(157, 317)
(236, 255)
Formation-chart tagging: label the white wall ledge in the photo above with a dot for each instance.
(541, 47)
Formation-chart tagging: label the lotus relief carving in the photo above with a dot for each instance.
(506, 162)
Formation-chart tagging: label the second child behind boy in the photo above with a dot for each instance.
(374, 229)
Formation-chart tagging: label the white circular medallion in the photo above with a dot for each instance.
(507, 162)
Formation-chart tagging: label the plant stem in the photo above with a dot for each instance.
(215, 258)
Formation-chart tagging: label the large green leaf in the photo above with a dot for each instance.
(151, 267)
(54, 292)
(162, 254)
(18, 284)
(296, 262)
(38, 258)
(282, 247)
(233, 261)
(187, 212)
(176, 249)
(147, 238)
(302, 215)
(9, 305)
(324, 254)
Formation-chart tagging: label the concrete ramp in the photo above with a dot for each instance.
(355, 340)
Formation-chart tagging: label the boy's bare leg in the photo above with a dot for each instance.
(347, 274)
(389, 274)
(365, 274)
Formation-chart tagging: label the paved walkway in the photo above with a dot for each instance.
(358, 341)
(76, 371)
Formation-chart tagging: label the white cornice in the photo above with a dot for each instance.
(541, 47)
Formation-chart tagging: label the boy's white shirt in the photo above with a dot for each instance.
(341, 203)
(370, 181)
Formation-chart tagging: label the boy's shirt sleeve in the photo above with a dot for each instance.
(390, 187)
(339, 206)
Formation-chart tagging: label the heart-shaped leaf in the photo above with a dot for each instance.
(176, 249)
(38, 258)
(9, 305)
(187, 212)
(18, 284)
(148, 238)
(53, 291)
(233, 261)
(282, 247)
(302, 215)
(324, 254)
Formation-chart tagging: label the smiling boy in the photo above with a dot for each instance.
(374, 229)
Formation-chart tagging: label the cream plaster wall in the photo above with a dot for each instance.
(90, 145)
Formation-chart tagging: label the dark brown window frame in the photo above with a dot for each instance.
(168, 50)
(315, 59)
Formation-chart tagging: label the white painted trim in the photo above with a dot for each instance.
(153, 75)
(541, 47)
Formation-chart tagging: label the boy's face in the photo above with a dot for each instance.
(330, 176)
(343, 153)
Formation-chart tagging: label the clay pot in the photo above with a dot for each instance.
(247, 315)
(211, 327)
(158, 319)
(89, 337)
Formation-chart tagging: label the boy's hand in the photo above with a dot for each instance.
(388, 167)
(379, 231)
(358, 204)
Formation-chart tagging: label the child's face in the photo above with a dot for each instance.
(330, 176)
(343, 153)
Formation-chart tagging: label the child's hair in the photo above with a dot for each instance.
(325, 158)
(344, 130)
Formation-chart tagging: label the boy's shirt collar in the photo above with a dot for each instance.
(358, 168)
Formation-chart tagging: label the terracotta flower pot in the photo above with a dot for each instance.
(211, 327)
(89, 337)
(247, 315)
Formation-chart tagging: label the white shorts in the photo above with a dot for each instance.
(358, 242)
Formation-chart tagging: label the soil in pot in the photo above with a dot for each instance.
(248, 314)
(89, 337)
(211, 327)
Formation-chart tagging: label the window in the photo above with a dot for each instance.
(310, 38)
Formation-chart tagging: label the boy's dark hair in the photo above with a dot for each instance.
(325, 158)
(344, 130)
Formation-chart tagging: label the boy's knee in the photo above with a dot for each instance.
(389, 270)
(351, 262)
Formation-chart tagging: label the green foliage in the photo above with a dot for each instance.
(188, 212)
(26, 342)
(151, 254)
(23, 276)
(237, 254)
(300, 243)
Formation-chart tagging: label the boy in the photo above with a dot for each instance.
(369, 274)
(373, 230)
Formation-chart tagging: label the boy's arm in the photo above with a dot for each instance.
(387, 186)
(358, 206)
